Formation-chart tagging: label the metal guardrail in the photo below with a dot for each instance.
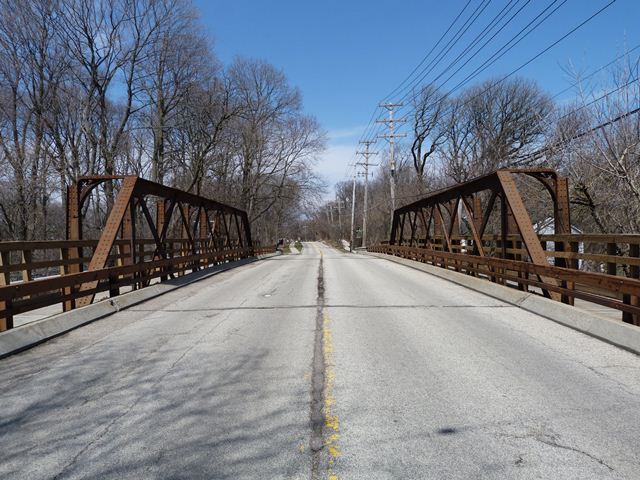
(491, 203)
(620, 293)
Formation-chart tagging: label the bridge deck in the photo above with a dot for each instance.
(423, 379)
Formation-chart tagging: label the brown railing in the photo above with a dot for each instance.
(612, 254)
(35, 274)
(26, 261)
(621, 292)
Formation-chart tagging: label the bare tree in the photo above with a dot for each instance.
(266, 99)
(201, 125)
(30, 68)
(599, 147)
(459, 152)
(429, 126)
(508, 120)
(108, 40)
(179, 61)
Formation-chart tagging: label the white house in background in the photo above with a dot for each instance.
(548, 227)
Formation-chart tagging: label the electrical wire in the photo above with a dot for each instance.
(474, 42)
(501, 52)
(532, 59)
(533, 156)
(461, 31)
(479, 38)
(424, 59)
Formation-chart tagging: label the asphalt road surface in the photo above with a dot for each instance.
(321, 365)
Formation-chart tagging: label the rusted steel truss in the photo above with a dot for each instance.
(144, 209)
(435, 221)
(483, 228)
(152, 232)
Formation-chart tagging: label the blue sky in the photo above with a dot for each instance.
(345, 56)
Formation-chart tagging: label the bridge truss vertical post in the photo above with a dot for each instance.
(634, 300)
(6, 321)
(74, 232)
(562, 226)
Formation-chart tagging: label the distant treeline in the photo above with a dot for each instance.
(134, 87)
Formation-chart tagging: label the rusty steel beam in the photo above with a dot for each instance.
(6, 321)
(473, 226)
(523, 222)
(74, 232)
(479, 184)
(109, 235)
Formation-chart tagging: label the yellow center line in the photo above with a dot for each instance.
(332, 422)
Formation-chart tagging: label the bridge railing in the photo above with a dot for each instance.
(21, 297)
(614, 254)
(32, 290)
(27, 261)
(619, 292)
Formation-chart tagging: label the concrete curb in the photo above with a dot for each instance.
(617, 333)
(34, 333)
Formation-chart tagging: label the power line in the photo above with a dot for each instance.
(491, 60)
(465, 26)
(449, 46)
(487, 29)
(474, 17)
(598, 70)
(595, 100)
(529, 156)
(532, 59)
(371, 130)
(500, 53)
(424, 59)
(540, 153)
(473, 44)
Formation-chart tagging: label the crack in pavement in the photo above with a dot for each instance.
(552, 442)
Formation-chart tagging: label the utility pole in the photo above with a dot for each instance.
(391, 136)
(353, 211)
(339, 204)
(366, 154)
